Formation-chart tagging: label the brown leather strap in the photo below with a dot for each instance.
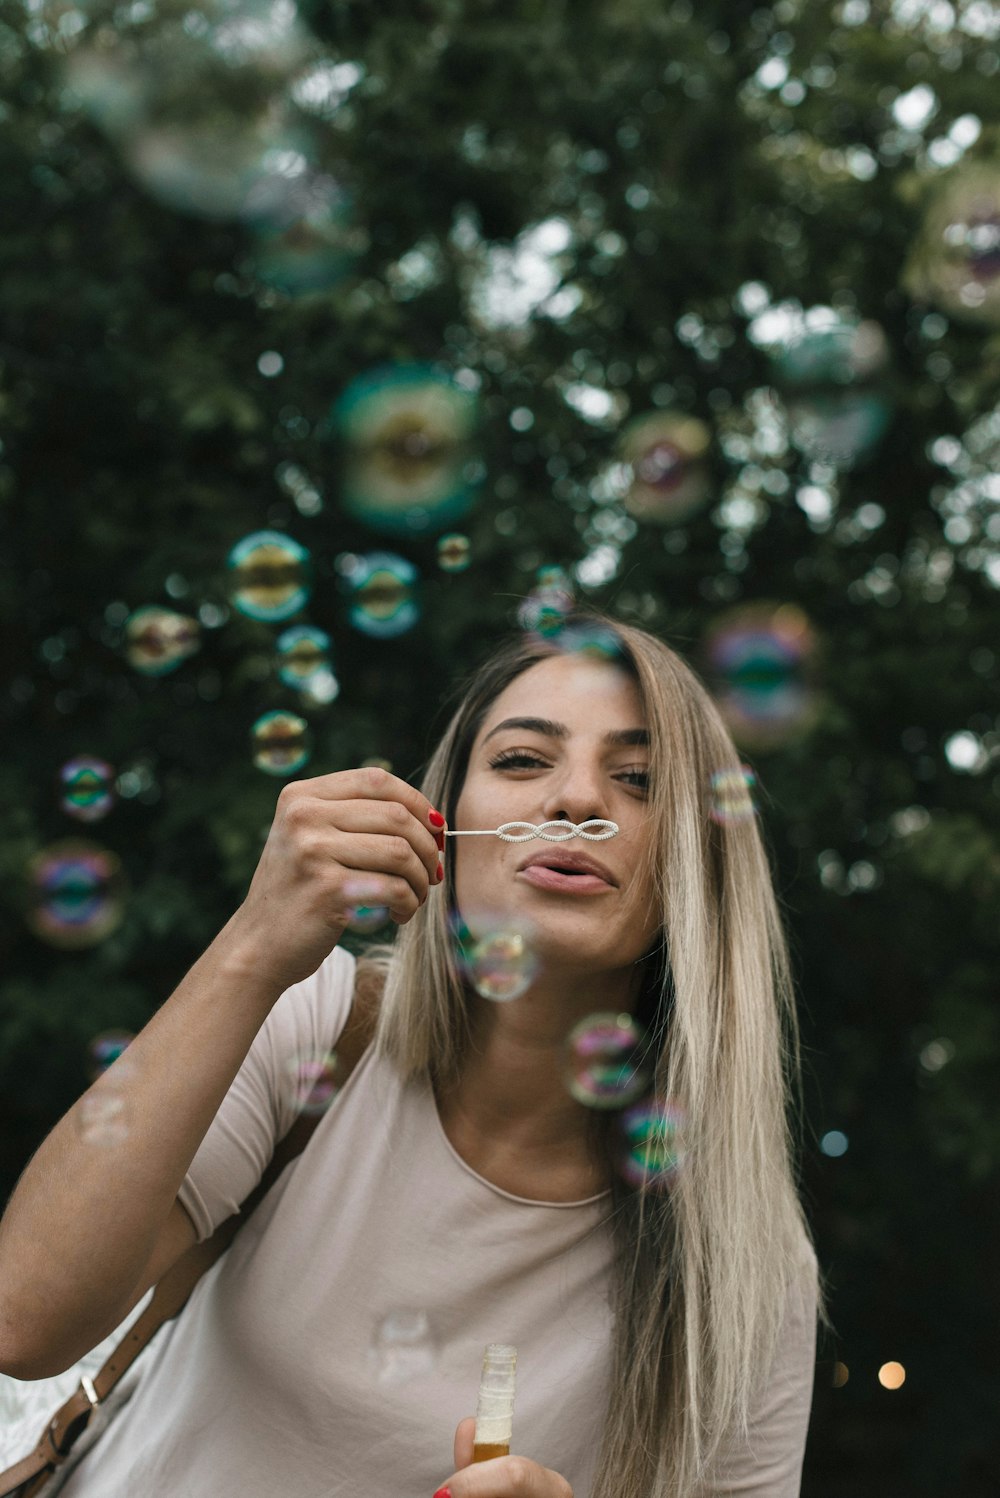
(174, 1289)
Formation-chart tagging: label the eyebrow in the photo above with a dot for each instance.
(618, 737)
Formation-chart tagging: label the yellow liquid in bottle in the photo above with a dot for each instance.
(482, 1452)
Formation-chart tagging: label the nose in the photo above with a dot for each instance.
(576, 797)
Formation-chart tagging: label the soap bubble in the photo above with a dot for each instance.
(312, 1081)
(103, 1051)
(610, 1062)
(454, 553)
(955, 262)
(651, 1144)
(588, 639)
(87, 788)
(104, 1117)
(269, 576)
(666, 455)
(402, 1348)
(410, 466)
(365, 913)
(76, 894)
(304, 238)
(731, 798)
(761, 658)
(497, 957)
(831, 374)
(381, 589)
(543, 613)
(157, 640)
(303, 656)
(281, 742)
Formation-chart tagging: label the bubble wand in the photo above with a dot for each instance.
(547, 830)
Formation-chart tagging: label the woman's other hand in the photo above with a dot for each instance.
(501, 1477)
(357, 837)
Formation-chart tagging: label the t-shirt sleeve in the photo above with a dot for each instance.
(766, 1461)
(262, 1103)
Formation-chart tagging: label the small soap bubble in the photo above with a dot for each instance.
(381, 589)
(304, 236)
(303, 655)
(76, 894)
(157, 640)
(454, 553)
(665, 453)
(498, 958)
(831, 373)
(408, 432)
(955, 262)
(104, 1117)
(610, 1062)
(312, 1081)
(761, 661)
(269, 576)
(588, 639)
(87, 786)
(731, 799)
(281, 742)
(546, 608)
(651, 1149)
(402, 1348)
(103, 1051)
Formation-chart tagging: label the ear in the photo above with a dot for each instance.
(465, 1437)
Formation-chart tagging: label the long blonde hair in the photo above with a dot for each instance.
(701, 1272)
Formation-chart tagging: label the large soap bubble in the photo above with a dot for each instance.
(651, 1144)
(496, 954)
(158, 640)
(76, 893)
(761, 661)
(382, 593)
(666, 455)
(281, 742)
(955, 262)
(269, 576)
(609, 1060)
(411, 467)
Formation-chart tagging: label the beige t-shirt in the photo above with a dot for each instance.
(334, 1349)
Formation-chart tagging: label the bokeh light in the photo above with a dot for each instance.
(76, 893)
(87, 787)
(281, 742)
(269, 576)
(892, 1375)
(402, 1348)
(761, 658)
(158, 640)
(410, 467)
(666, 456)
(381, 589)
(651, 1144)
(609, 1060)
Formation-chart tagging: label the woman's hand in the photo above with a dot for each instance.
(502, 1477)
(358, 837)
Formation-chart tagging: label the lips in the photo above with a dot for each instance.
(569, 863)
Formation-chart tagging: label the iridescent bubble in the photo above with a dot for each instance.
(402, 1349)
(761, 658)
(731, 798)
(76, 893)
(546, 608)
(87, 786)
(454, 553)
(158, 640)
(411, 467)
(609, 1062)
(312, 1081)
(955, 262)
(103, 1051)
(381, 589)
(281, 742)
(831, 374)
(666, 453)
(589, 639)
(651, 1149)
(303, 655)
(269, 576)
(365, 913)
(304, 237)
(497, 957)
(104, 1117)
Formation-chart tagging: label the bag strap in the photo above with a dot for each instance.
(28, 1476)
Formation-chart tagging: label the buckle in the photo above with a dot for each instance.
(75, 1427)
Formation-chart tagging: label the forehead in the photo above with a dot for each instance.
(586, 694)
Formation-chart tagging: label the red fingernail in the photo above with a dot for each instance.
(443, 1493)
(436, 820)
(440, 871)
(439, 839)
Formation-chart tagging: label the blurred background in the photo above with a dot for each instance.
(338, 340)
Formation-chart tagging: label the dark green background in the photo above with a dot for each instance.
(140, 441)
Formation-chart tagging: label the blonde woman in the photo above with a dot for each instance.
(665, 1332)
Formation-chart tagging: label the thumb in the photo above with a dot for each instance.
(465, 1437)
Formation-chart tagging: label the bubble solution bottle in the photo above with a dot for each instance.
(495, 1410)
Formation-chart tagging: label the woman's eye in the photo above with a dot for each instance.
(515, 759)
(638, 778)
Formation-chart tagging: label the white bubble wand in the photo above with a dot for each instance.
(552, 832)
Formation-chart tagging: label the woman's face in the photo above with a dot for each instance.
(567, 739)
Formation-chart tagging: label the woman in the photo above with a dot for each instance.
(456, 1189)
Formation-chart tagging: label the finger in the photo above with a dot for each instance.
(505, 1477)
(389, 818)
(465, 1440)
(389, 854)
(368, 783)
